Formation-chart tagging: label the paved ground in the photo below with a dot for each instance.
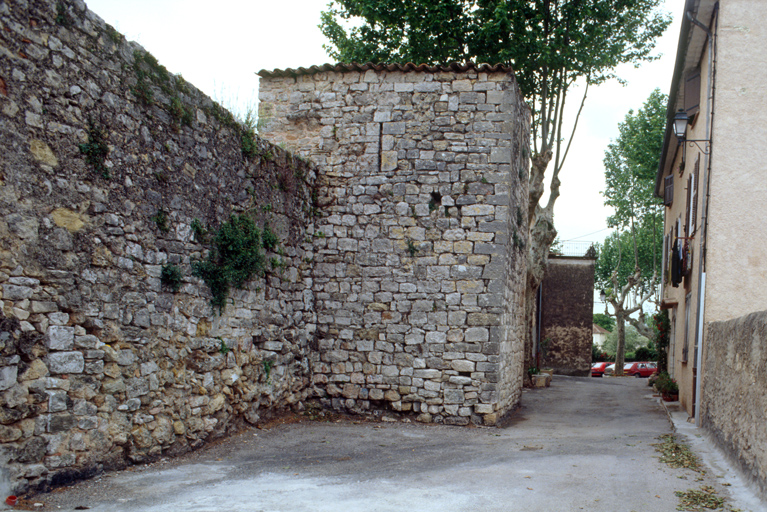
(582, 444)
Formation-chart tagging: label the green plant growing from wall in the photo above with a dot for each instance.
(180, 114)
(412, 249)
(235, 256)
(114, 35)
(268, 365)
(224, 348)
(269, 239)
(96, 149)
(161, 219)
(200, 231)
(170, 276)
(62, 18)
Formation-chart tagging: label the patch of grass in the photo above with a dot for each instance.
(677, 455)
(96, 149)
(235, 256)
(699, 500)
(171, 276)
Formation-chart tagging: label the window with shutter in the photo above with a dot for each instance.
(694, 208)
(688, 209)
(668, 190)
(692, 94)
(664, 266)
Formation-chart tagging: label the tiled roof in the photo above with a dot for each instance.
(422, 68)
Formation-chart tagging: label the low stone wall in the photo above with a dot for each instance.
(420, 253)
(734, 401)
(107, 161)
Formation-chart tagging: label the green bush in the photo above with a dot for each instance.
(171, 276)
(235, 256)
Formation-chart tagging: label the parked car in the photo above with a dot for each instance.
(598, 369)
(640, 369)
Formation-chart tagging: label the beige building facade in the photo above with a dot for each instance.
(712, 180)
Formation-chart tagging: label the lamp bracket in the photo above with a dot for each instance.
(706, 149)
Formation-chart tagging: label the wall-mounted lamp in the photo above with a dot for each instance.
(602, 296)
(681, 120)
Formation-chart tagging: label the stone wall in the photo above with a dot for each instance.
(420, 260)
(734, 403)
(107, 160)
(567, 303)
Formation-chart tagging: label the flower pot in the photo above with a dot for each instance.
(11, 500)
(668, 397)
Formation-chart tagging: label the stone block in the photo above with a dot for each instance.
(63, 422)
(66, 362)
(454, 396)
(500, 155)
(483, 319)
(13, 292)
(8, 376)
(462, 365)
(476, 334)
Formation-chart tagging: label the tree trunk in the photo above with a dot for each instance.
(541, 235)
(620, 344)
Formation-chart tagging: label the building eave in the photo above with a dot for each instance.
(689, 50)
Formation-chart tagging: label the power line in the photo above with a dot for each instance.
(587, 234)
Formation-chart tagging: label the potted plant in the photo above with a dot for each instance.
(667, 387)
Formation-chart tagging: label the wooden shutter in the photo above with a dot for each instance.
(689, 206)
(694, 210)
(668, 190)
(664, 264)
(692, 93)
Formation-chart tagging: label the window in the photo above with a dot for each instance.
(668, 190)
(686, 346)
(692, 94)
(691, 213)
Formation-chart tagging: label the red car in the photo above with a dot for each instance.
(639, 369)
(598, 369)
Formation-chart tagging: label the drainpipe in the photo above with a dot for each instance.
(704, 208)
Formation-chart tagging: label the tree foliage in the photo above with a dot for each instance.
(617, 253)
(631, 162)
(627, 267)
(633, 341)
(604, 321)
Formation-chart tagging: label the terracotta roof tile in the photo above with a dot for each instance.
(423, 68)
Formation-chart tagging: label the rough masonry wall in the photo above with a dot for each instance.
(420, 249)
(567, 315)
(100, 363)
(734, 404)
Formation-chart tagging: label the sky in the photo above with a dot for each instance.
(220, 46)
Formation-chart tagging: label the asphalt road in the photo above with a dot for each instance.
(582, 444)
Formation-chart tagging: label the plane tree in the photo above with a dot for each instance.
(627, 266)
